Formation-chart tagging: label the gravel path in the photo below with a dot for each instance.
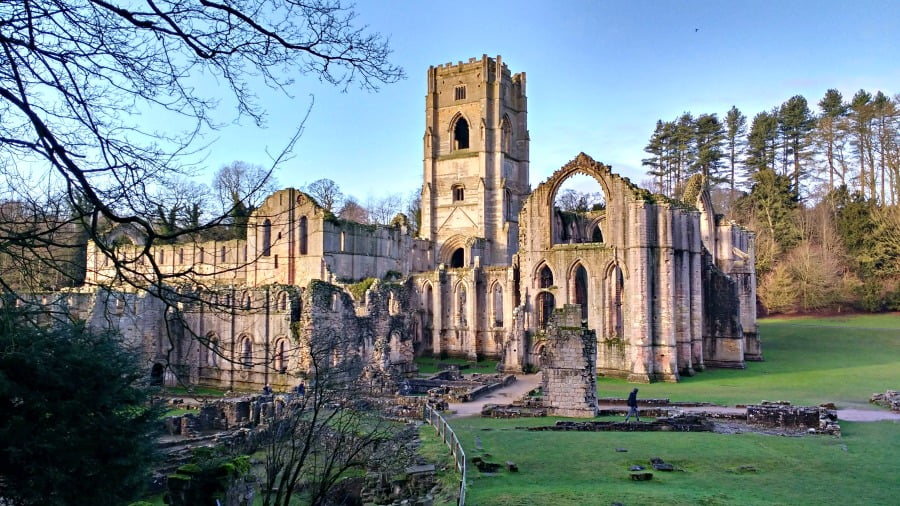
(527, 382)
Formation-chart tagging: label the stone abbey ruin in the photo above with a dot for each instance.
(666, 287)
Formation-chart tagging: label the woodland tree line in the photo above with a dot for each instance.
(818, 184)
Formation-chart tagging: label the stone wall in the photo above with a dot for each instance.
(569, 367)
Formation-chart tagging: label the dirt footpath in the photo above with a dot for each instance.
(526, 382)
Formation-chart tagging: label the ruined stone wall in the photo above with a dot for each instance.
(569, 371)
(723, 339)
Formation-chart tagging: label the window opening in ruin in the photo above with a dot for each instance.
(459, 193)
(181, 255)
(213, 351)
(266, 238)
(545, 304)
(461, 134)
(246, 353)
(458, 258)
(581, 290)
(459, 93)
(276, 261)
(222, 254)
(281, 356)
(614, 318)
(578, 204)
(545, 277)
(202, 255)
(597, 236)
(303, 238)
(162, 256)
(461, 305)
(509, 205)
(283, 301)
(498, 305)
(505, 135)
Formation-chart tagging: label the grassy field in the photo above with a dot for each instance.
(430, 365)
(808, 360)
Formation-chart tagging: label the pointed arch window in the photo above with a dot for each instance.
(302, 239)
(505, 135)
(280, 359)
(266, 238)
(497, 299)
(458, 259)
(545, 277)
(461, 134)
(580, 289)
(246, 352)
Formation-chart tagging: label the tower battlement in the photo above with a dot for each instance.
(486, 69)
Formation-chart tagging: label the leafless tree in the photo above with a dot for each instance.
(326, 192)
(79, 76)
(383, 209)
(352, 210)
(330, 430)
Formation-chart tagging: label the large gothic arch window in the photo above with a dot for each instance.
(579, 205)
(545, 277)
(461, 134)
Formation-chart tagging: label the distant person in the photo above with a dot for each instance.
(267, 390)
(632, 406)
(301, 389)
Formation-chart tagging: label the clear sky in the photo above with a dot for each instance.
(599, 76)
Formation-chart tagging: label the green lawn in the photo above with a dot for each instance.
(808, 361)
(429, 365)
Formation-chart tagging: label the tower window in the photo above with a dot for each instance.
(459, 193)
(461, 134)
(459, 93)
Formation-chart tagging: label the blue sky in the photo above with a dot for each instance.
(599, 76)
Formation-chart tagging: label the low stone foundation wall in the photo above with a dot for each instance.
(889, 399)
(682, 423)
(783, 415)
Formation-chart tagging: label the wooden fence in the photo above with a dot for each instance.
(449, 438)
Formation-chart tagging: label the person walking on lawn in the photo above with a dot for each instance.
(632, 406)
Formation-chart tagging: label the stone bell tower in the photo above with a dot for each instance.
(475, 162)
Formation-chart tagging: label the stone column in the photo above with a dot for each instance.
(471, 330)
(437, 320)
(696, 294)
(665, 354)
(638, 312)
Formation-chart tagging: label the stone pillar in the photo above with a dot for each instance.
(638, 311)
(665, 354)
(696, 277)
(437, 320)
(570, 368)
(470, 342)
(683, 295)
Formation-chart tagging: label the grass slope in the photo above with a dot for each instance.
(808, 361)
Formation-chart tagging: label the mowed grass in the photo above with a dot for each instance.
(808, 361)
(584, 468)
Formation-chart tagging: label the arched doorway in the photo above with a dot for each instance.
(458, 258)
(157, 373)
